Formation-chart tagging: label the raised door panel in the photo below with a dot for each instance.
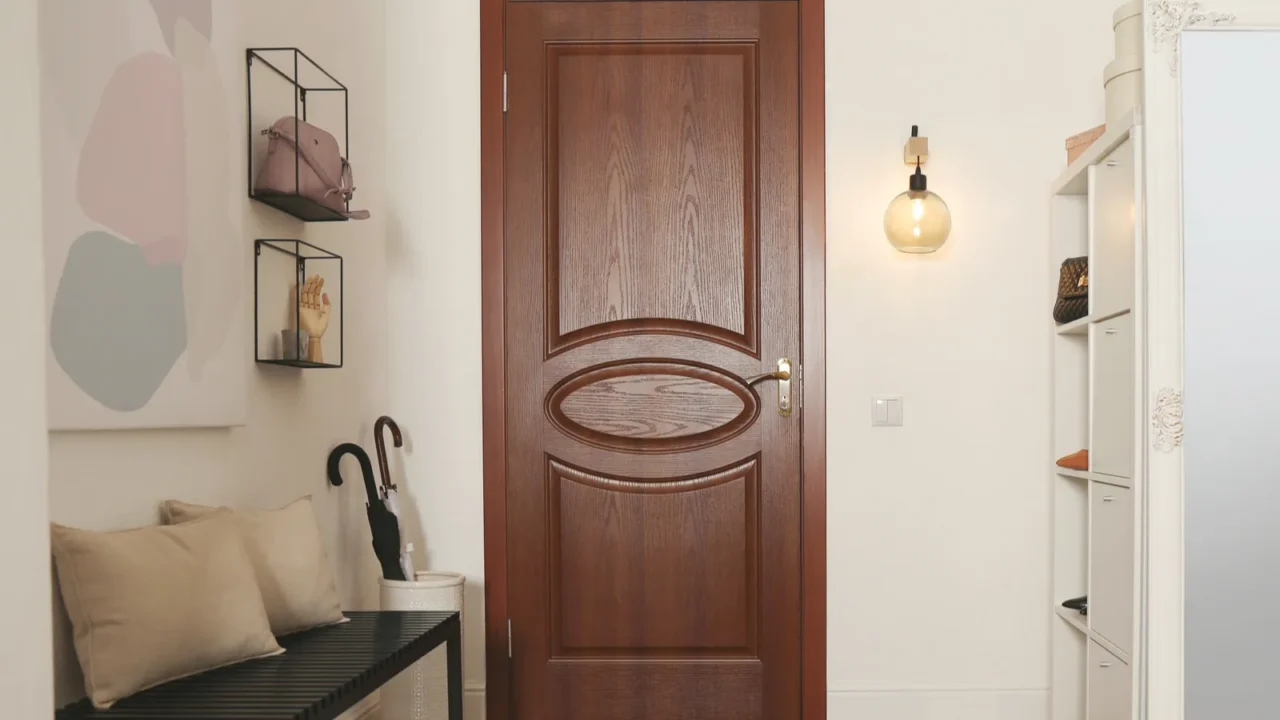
(652, 407)
(1110, 686)
(1111, 566)
(659, 690)
(642, 240)
(1111, 280)
(1111, 450)
(660, 568)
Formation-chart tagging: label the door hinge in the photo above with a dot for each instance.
(504, 91)
(510, 652)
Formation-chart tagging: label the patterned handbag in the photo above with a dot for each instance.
(1073, 291)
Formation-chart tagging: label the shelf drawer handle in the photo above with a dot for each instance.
(1108, 498)
(1110, 331)
(1104, 665)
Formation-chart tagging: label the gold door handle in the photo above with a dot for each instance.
(783, 376)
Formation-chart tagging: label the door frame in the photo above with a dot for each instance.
(813, 410)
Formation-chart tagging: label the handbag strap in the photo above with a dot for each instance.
(348, 188)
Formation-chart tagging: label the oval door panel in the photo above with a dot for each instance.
(652, 406)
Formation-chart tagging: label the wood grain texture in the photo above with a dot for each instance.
(646, 687)
(642, 406)
(656, 465)
(648, 568)
(779, 217)
(813, 413)
(728, 690)
(659, 407)
(650, 183)
(493, 354)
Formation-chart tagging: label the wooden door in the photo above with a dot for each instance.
(652, 268)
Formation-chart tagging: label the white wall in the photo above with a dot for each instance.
(939, 599)
(115, 480)
(939, 541)
(26, 682)
(433, 268)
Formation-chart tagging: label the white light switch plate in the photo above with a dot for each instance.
(886, 411)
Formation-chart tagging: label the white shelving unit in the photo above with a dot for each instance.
(1074, 474)
(1076, 327)
(1097, 384)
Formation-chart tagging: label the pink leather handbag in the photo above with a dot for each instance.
(309, 165)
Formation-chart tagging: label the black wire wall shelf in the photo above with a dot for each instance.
(313, 95)
(285, 291)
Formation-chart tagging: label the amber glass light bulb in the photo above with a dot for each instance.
(917, 221)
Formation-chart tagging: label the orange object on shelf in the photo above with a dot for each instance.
(1075, 461)
(1078, 144)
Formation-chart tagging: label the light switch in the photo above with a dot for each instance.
(886, 411)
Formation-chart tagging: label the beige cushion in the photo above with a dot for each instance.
(159, 603)
(288, 554)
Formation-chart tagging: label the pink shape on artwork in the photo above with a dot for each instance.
(132, 174)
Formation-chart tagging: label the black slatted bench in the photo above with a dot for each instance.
(323, 673)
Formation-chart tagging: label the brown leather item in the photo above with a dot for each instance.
(1075, 461)
(1073, 291)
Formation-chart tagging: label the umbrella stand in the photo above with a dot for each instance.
(383, 524)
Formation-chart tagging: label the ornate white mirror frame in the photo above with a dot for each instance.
(1166, 23)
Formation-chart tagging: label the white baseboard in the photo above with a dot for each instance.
(473, 702)
(925, 704)
(914, 704)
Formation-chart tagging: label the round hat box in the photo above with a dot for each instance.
(1123, 82)
(1127, 22)
(421, 692)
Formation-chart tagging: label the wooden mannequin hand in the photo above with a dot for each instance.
(313, 315)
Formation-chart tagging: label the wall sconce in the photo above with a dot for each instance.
(917, 221)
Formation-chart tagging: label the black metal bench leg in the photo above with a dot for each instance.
(453, 649)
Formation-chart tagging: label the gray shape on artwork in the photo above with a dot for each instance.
(199, 13)
(118, 323)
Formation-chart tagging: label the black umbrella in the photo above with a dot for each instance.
(383, 524)
(390, 494)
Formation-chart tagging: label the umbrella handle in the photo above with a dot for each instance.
(366, 467)
(378, 441)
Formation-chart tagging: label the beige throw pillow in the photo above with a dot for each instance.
(288, 554)
(159, 603)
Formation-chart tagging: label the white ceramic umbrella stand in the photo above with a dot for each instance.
(421, 692)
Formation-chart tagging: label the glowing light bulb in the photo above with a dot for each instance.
(917, 221)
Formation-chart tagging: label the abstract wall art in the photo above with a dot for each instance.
(144, 251)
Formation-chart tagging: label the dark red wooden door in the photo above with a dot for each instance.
(652, 255)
